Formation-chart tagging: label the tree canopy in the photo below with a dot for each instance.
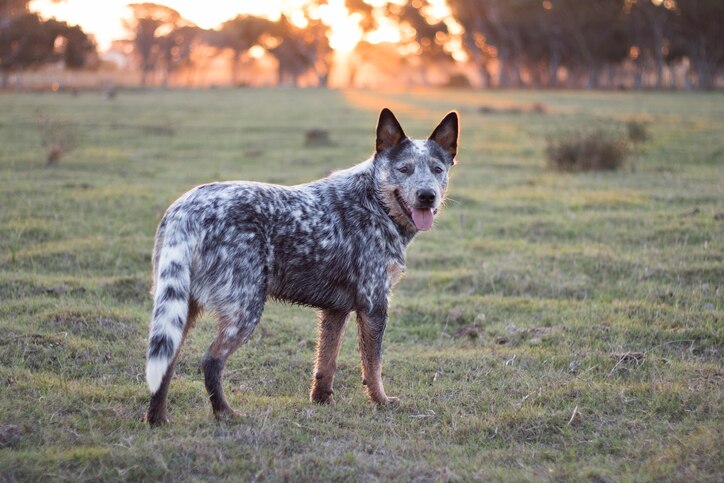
(28, 41)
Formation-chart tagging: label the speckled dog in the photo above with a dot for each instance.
(337, 244)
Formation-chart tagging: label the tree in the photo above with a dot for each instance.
(296, 54)
(650, 25)
(367, 11)
(27, 41)
(176, 48)
(13, 8)
(482, 38)
(425, 40)
(600, 37)
(149, 22)
(518, 36)
(700, 27)
(239, 35)
(384, 57)
(315, 41)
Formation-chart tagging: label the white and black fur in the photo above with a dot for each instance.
(337, 244)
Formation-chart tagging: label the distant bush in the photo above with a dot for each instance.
(57, 136)
(599, 149)
(317, 137)
(539, 108)
(536, 108)
(458, 81)
(638, 131)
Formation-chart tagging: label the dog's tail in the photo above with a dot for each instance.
(172, 281)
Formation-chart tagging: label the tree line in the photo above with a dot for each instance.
(164, 41)
(505, 43)
(532, 41)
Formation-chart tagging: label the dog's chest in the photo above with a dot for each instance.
(395, 270)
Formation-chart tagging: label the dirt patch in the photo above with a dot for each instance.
(10, 435)
(317, 137)
(636, 357)
(536, 108)
(471, 331)
(502, 340)
(158, 130)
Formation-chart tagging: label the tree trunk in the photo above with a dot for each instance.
(611, 76)
(502, 68)
(323, 80)
(658, 53)
(702, 65)
(165, 78)
(703, 73)
(235, 57)
(353, 70)
(639, 75)
(553, 64)
(592, 77)
(486, 76)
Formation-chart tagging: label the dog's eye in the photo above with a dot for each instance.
(437, 170)
(403, 169)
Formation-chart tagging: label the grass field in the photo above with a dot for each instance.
(551, 327)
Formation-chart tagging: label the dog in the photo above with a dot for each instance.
(336, 244)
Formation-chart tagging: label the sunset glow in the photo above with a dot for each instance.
(346, 31)
(104, 19)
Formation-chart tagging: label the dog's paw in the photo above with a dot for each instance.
(227, 414)
(156, 420)
(322, 397)
(385, 400)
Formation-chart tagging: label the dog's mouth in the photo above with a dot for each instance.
(422, 218)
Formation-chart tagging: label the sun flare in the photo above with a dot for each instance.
(104, 19)
(345, 29)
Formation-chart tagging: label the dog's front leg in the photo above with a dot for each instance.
(371, 327)
(331, 330)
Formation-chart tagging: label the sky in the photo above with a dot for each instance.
(103, 18)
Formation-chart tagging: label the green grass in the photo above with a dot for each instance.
(510, 317)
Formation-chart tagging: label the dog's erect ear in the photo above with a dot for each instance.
(446, 134)
(389, 131)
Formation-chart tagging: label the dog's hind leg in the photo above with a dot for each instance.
(331, 330)
(237, 321)
(371, 327)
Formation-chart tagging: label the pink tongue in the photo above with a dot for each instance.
(422, 218)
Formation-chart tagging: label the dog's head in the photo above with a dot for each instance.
(412, 175)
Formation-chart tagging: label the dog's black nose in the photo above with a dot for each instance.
(426, 196)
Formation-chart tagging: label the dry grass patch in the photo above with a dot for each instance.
(593, 150)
